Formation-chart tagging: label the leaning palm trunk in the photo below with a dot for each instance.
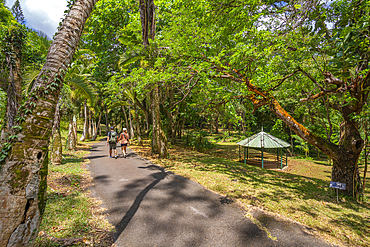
(23, 173)
(90, 124)
(96, 127)
(85, 129)
(126, 119)
(56, 146)
(71, 140)
(138, 130)
(132, 134)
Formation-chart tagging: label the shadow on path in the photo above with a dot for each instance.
(121, 226)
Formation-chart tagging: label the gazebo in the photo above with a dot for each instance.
(265, 144)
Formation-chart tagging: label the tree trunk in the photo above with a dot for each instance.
(85, 131)
(216, 124)
(71, 139)
(13, 42)
(132, 134)
(159, 140)
(155, 134)
(125, 114)
(345, 155)
(97, 127)
(106, 121)
(138, 130)
(74, 129)
(24, 171)
(90, 124)
(56, 146)
(147, 15)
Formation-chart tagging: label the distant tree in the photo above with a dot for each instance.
(17, 12)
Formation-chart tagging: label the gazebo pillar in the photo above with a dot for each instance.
(245, 160)
(281, 159)
(262, 156)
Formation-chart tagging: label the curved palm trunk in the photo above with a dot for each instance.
(90, 124)
(85, 131)
(132, 134)
(14, 91)
(97, 127)
(71, 139)
(23, 173)
(56, 146)
(138, 130)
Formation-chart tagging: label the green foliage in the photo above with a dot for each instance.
(302, 145)
(17, 12)
(197, 139)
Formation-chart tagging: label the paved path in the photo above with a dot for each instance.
(152, 207)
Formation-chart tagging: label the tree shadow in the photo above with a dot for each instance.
(103, 179)
(121, 226)
(71, 159)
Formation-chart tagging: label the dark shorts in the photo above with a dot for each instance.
(112, 146)
(123, 145)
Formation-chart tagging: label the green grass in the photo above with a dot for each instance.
(301, 193)
(70, 213)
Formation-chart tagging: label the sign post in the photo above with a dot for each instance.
(336, 185)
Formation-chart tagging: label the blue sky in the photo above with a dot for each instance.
(43, 15)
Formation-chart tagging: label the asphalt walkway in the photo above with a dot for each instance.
(152, 207)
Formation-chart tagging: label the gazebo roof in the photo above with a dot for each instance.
(263, 140)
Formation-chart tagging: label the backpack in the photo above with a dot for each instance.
(113, 137)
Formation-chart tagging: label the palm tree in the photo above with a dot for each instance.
(24, 169)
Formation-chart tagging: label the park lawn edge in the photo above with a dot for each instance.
(72, 216)
(310, 203)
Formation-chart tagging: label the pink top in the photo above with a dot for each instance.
(124, 138)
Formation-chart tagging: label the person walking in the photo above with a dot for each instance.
(125, 140)
(112, 142)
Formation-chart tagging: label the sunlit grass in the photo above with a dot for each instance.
(70, 214)
(301, 193)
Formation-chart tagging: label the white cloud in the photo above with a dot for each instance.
(43, 15)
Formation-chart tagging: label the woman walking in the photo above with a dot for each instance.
(125, 140)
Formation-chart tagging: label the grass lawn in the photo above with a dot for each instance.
(71, 217)
(300, 192)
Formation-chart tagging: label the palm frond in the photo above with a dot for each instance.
(117, 104)
(129, 58)
(84, 88)
(29, 78)
(129, 94)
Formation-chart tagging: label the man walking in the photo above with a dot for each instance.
(112, 142)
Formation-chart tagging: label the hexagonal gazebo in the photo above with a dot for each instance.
(266, 145)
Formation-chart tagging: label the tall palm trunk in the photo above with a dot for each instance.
(106, 120)
(90, 124)
(13, 57)
(97, 127)
(132, 134)
(56, 145)
(24, 171)
(72, 136)
(138, 130)
(85, 132)
(125, 114)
